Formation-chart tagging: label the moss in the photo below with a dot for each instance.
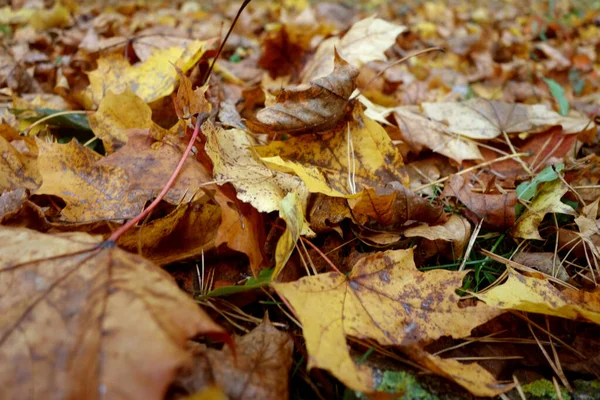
(587, 390)
(405, 384)
(544, 389)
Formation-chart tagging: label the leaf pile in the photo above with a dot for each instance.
(342, 220)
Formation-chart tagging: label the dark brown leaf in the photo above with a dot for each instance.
(497, 210)
(259, 370)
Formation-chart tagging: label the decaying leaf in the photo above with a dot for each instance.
(394, 208)
(483, 119)
(149, 80)
(531, 294)
(456, 230)
(234, 161)
(546, 200)
(421, 132)
(365, 41)
(119, 112)
(90, 191)
(315, 107)
(497, 210)
(385, 298)
(355, 157)
(292, 212)
(471, 376)
(240, 228)
(259, 368)
(545, 262)
(76, 321)
(190, 101)
(149, 162)
(18, 169)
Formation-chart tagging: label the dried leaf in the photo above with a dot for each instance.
(546, 200)
(241, 228)
(18, 169)
(545, 262)
(291, 210)
(393, 209)
(349, 160)
(365, 41)
(472, 376)
(116, 114)
(149, 80)
(316, 107)
(90, 191)
(258, 370)
(456, 230)
(190, 102)
(194, 233)
(81, 324)
(149, 163)
(385, 298)
(531, 294)
(421, 132)
(235, 162)
(497, 210)
(483, 119)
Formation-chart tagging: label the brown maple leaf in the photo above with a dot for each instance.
(86, 322)
(314, 107)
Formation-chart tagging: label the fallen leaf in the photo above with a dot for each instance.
(546, 200)
(235, 161)
(385, 298)
(472, 376)
(188, 101)
(483, 119)
(456, 230)
(391, 210)
(56, 17)
(258, 370)
(497, 210)
(18, 169)
(349, 160)
(116, 114)
(194, 233)
(149, 163)
(291, 211)
(366, 41)
(90, 191)
(78, 323)
(241, 228)
(325, 213)
(310, 108)
(545, 262)
(421, 132)
(146, 46)
(531, 294)
(149, 80)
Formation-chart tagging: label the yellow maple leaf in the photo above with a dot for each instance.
(119, 112)
(359, 156)
(530, 294)
(384, 298)
(150, 80)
